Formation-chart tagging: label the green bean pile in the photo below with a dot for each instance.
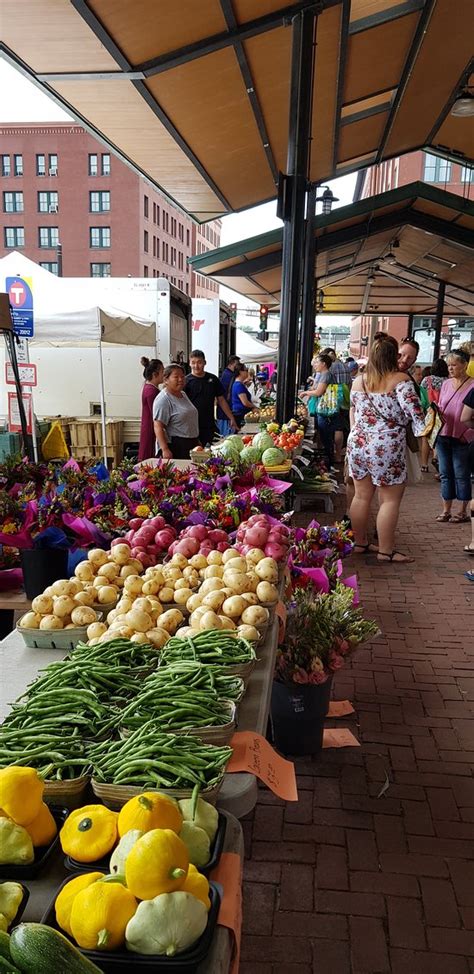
(120, 651)
(150, 759)
(57, 752)
(177, 697)
(216, 646)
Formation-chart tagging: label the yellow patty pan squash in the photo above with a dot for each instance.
(157, 863)
(67, 895)
(89, 833)
(152, 810)
(43, 829)
(21, 793)
(100, 914)
(16, 847)
(197, 884)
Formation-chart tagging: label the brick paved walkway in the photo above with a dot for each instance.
(348, 881)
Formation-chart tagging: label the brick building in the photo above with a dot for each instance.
(61, 186)
(428, 168)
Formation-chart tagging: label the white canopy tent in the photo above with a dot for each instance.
(63, 316)
(250, 350)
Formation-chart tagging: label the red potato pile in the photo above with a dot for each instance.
(200, 540)
(272, 539)
(148, 539)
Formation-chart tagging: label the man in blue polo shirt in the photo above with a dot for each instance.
(227, 378)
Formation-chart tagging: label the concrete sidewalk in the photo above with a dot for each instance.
(358, 877)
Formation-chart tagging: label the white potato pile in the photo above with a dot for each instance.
(69, 603)
(218, 591)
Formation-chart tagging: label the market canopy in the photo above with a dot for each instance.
(195, 95)
(382, 255)
(250, 350)
(65, 312)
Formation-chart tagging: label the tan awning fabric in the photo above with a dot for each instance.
(195, 95)
(383, 255)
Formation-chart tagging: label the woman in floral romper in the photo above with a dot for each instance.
(383, 402)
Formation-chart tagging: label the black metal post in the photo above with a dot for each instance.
(439, 319)
(410, 326)
(309, 289)
(299, 131)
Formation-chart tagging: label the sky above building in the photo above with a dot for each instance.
(22, 101)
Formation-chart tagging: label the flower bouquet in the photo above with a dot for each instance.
(321, 633)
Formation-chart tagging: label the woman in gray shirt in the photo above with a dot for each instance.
(176, 420)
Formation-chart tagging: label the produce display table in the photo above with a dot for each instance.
(43, 889)
(19, 666)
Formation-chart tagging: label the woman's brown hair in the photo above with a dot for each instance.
(383, 359)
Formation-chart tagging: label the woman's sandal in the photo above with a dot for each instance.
(424, 469)
(364, 549)
(468, 549)
(444, 517)
(386, 558)
(470, 576)
(459, 519)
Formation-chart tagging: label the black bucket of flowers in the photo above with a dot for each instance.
(322, 631)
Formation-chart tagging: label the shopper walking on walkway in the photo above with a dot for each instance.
(227, 379)
(452, 445)
(383, 402)
(430, 389)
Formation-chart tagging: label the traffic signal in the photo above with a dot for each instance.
(263, 317)
(233, 312)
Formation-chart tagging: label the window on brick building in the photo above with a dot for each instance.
(48, 202)
(157, 215)
(99, 236)
(101, 270)
(145, 241)
(6, 166)
(181, 232)
(145, 206)
(18, 165)
(52, 164)
(166, 221)
(173, 256)
(13, 203)
(435, 169)
(50, 265)
(40, 164)
(145, 270)
(93, 164)
(467, 174)
(99, 202)
(14, 236)
(48, 236)
(187, 238)
(173, 226)
(105, 164)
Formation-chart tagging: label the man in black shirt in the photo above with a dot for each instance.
(203, 388)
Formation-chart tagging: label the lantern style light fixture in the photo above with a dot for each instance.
(327, 199)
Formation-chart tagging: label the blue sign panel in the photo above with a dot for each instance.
(20, 293)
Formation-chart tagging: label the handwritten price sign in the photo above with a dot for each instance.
(253, 754)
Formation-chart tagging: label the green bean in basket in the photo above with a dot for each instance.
(210, 646)
(152, 759)
(57, 752)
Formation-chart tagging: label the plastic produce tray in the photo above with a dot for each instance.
(126, 962)
(103, 864)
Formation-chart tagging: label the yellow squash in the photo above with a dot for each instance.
(150, 811)
(157, 863)
(43, 829)
(67, 895)
(89, 833)
(21, 793)
(100, 914)
(198, 885)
